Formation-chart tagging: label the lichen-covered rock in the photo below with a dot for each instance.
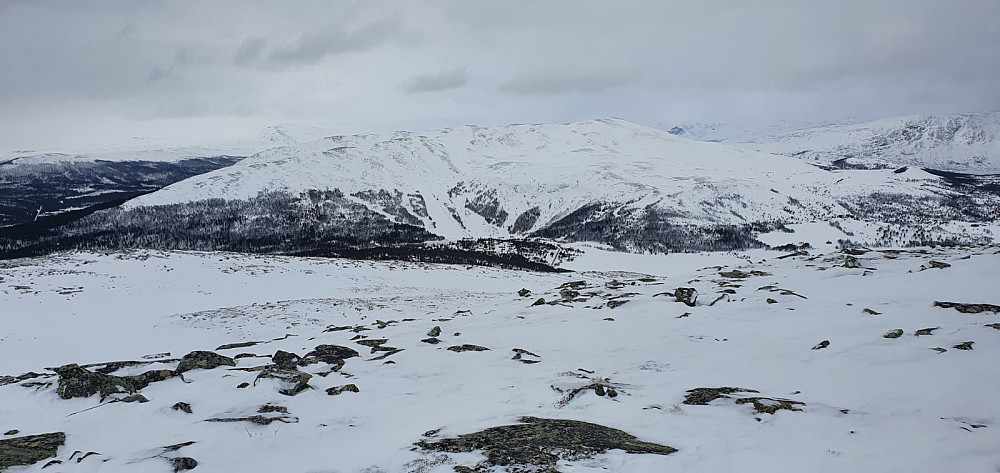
(293, 381)
(329, 354)
(431, 340)
(183, 463)
(925, 331)
(687, 295)
(29, 449)
(537, 444)
(339, 389)
(703, 396)
(968, 308)
(76, 381)
(523, 293)
(203, 360)
(467, 347)
(285, 360)
(895, 333)
(770, 405)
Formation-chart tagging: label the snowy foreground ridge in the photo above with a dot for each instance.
(835, 361)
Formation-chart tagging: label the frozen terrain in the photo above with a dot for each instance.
(967, 142)
(608, 344)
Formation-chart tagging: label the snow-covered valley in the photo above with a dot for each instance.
(445, 350)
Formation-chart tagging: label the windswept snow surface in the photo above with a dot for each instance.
(870, 403)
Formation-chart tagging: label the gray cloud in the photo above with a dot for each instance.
(335, 39)
(439, 82)
(364, 63)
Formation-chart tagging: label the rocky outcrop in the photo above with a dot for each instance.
(29, 449)
(203, 360)
(76, 381)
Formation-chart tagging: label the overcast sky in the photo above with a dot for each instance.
(100, 68)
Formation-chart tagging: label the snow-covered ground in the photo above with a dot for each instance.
(870, 403)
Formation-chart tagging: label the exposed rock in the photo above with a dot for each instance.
(540, 301)
(29, 449)
(687, 295)
(339, 389)
(617, 303)
(294, 381)
(182, 406)
(939, 349)
(851, 262)
(203, 360)
(964, 346)
(236, 345)
(538, 444)
(467, 347)
(520, 354)
(703, 396)
(374, 343)
(257, 419)
(821, 345)
(75, 381)
(12, 432)
(329, 354)
(269, 408)
(134, 398)
(523, 293)
(242, 385)
(926, 331)
(285, 360)
(183, 463)
(737, 274)
(870, 312)
(771, 301)
(431, 340)
(968, 308)
(894, 333)
(434, 332)
(993, 326)
(769, 405)
(938, 264)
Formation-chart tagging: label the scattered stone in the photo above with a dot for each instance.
(75, 381)
(248, 355)
(466, 347)
(523, 293)
(520, 354)
(203, 360)
(229, 346)
(993, 326)
(434, 332)
(431, 340)
(50, 463)
(926, 331)
(29, 449)
(968, 308)
(269, 408)
(374, 343)
(821, 345)
(938, 264)
(285, 360)
(85, 455)
(5, 380)
(389, 351)
(855, 251)
(156, 356)
(577, 285)
(264, 415)
(242, 385)
(12, 432)
(771, 301)
(538, 444)
(939, 349)
(609, 319)
(870, 312)
(964, 346)
(568, 294)
(540, 301)
(294, 381)
(183, 463)
(182, 406)
(617, 303)
(339, 389)
(894, 333)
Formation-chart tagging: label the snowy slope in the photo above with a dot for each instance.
(959, 142)
(518, 179)
(865, 402)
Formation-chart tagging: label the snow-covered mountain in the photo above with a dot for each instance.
(967, 142)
